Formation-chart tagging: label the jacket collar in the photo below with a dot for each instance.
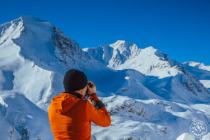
(75, 94)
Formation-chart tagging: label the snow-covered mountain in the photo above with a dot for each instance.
(148, 94)
(200, 71)
(123, 55)
(34, 56)
(165, 77)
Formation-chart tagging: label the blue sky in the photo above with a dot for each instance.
(180, 28)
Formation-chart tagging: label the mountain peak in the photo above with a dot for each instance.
(125, 47)
(28, 19)
(119, 43)
(13, 29)
(122, 44)
(150, 49)
(23, 20)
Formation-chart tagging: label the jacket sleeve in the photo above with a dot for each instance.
(99, 116)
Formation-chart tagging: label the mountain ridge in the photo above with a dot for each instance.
(35, 54)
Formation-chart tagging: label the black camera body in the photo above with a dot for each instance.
(87, 91)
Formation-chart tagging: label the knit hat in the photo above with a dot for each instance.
(74, 80)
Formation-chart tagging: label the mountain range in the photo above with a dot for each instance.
(148, 94)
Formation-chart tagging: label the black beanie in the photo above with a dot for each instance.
(74, 80)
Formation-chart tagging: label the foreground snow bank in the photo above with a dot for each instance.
(148, 119)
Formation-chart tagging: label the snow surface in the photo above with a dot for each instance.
(206, 83)
(148, 94)
(148, 119)
(24, 116)
(200, 71)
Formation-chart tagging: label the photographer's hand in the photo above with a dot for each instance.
(93, 97)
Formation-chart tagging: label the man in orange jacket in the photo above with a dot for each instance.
(71, 112)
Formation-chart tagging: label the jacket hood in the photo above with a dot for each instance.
(62, 101)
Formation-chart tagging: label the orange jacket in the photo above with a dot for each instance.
(70, 117)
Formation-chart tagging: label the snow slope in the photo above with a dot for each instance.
(24, 118)
(148, 94)
(200, 71)
(149, 119)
